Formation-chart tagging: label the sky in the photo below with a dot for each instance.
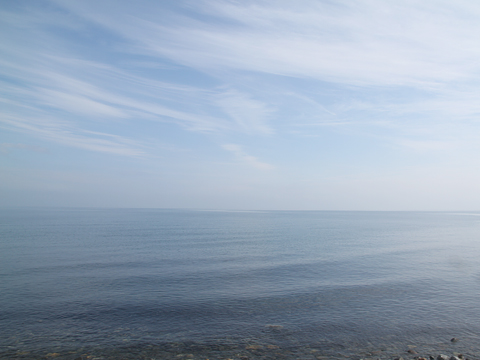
(241, 105)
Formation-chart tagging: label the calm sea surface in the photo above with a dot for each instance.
(142, 283)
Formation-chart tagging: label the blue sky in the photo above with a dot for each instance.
(225, 104)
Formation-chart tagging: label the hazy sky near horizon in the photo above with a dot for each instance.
(225, 104)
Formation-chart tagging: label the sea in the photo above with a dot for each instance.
(193, 284)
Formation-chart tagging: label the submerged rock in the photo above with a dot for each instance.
(254, 347)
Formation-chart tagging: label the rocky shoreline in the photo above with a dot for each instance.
(148, 355)
(252, 351)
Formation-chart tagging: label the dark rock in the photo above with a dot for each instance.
(453, 340)
(411, 351)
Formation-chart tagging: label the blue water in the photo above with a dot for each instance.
(344, 282)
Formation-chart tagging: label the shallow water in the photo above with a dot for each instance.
(168, 283)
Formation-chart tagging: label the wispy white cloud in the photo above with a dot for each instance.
(58, 86)
(364, 46)
(64, 90)
(352, 42)
(63, 132)
(326, 86)
(250, 115)
(77, 104)
(243, 157)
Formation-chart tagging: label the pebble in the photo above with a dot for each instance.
(52, 355)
